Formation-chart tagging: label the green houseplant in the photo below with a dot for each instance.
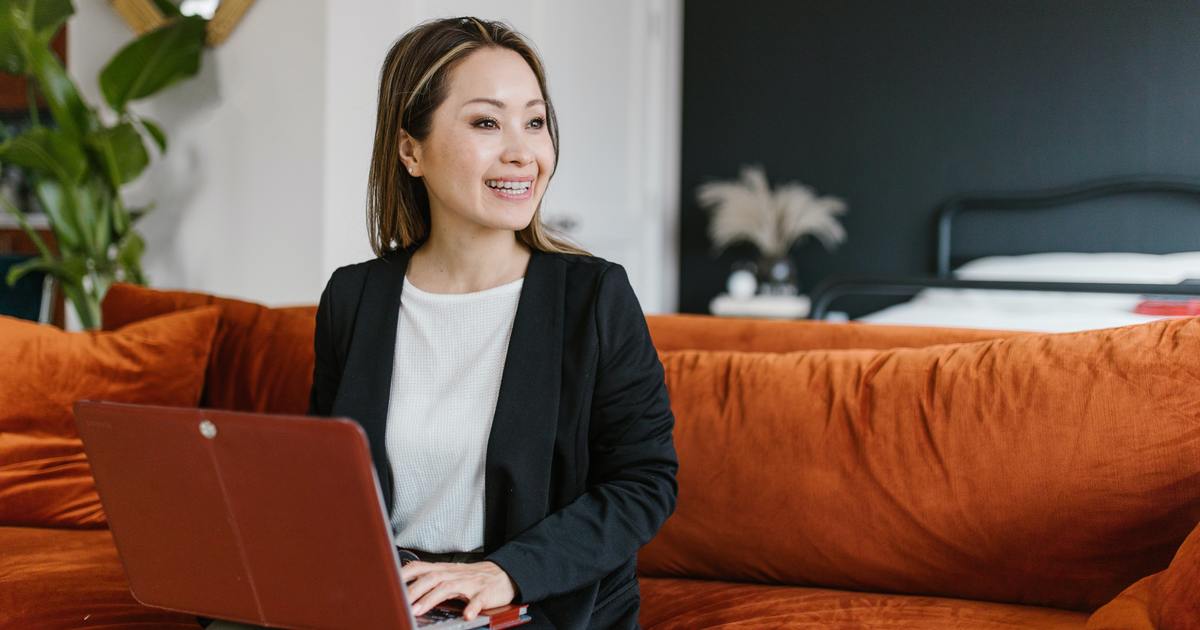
(78, 164)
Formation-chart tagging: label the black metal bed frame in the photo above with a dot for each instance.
(835, 287)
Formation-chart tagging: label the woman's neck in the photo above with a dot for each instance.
(461, 264)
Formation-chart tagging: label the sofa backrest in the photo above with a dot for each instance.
(1037, 469)
(263, 357)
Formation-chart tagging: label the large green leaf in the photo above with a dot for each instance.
(11, 59)
(155, 132)
(62, 97)
(124, 218)
(28, 24)
(70, 271)
(121, 151)
(24, 223)
(59, 203)
(94, 203)
(154, 61)
(48, 15)
(46, 151)
(121, 220)
(129, 254)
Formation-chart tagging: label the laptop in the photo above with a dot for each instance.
(263, 519)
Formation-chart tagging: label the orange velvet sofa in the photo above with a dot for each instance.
(831, 476)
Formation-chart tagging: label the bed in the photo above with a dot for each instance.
(1086, 256)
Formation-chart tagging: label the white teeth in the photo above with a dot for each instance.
(509, 185)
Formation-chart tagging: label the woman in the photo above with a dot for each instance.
(516, 409)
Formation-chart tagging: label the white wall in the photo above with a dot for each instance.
(262, 192)
(357, 42)
(240, 192)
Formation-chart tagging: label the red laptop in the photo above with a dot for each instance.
(262, 519)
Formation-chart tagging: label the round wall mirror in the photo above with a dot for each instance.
(145, 15)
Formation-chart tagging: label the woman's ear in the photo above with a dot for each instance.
(410, 153)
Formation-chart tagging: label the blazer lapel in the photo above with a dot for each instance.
(367, 377)
(521, 444)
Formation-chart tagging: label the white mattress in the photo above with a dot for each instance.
(1043, 311)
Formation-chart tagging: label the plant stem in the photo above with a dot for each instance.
(31, 96)
(32, 233)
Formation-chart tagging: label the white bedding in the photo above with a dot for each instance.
(1039, 310)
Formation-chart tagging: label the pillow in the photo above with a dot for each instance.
(1083, 267)
(262, 358)
(44, 476)
(1049, 469)
(1118, 267)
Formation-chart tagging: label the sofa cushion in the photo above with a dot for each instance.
(703, 332)
(677, 603)
(44, 476)
(62, 578)
(1049, 469)
(262, 357)
(1167, 600)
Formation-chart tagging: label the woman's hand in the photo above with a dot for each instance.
(483, 584)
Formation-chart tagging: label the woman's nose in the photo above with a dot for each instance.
(516, 150)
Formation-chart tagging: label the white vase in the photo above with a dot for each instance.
(72, 323)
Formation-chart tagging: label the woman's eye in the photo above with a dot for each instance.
(490, 123)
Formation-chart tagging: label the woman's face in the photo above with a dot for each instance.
(488, 157)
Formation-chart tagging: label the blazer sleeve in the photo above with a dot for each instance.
(631, 477)
(327, 371)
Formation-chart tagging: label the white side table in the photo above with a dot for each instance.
(763, 306)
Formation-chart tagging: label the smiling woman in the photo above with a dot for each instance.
(461, 100)
(515, 405)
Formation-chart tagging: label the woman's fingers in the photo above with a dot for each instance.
(441, 593)
(473, 607)
(423, 585)
(415, 569)
(483, 585)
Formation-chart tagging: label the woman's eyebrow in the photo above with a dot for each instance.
(500, 105)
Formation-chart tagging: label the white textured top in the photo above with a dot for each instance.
(450, 352)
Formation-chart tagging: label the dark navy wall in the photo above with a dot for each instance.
(896, 105)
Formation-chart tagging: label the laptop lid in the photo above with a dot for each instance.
(259, 518)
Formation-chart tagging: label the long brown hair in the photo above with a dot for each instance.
(412, 85)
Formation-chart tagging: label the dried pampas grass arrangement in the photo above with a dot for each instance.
(748, 210)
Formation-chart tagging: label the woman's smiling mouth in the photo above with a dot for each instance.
(511, 189)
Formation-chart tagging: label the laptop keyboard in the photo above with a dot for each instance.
(436, 616)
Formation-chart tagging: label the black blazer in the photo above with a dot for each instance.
(580, 468)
